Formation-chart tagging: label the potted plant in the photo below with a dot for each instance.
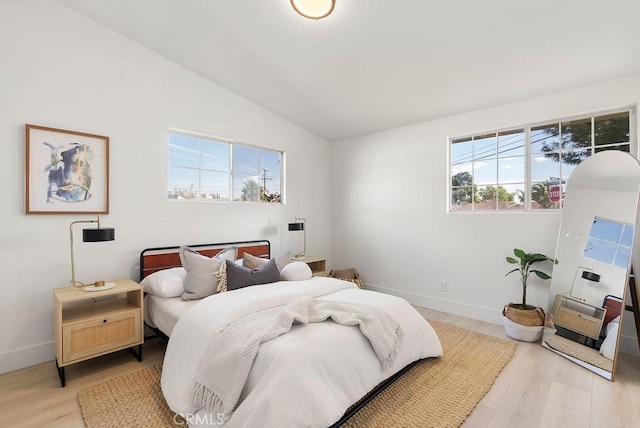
(522, 321)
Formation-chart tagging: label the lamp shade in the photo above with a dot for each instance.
(98, 235)
(591, 276)
(296, 226)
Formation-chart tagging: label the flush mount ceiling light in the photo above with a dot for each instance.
(313, 9)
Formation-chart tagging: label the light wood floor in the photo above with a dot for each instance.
(536, 389)
(541, 389)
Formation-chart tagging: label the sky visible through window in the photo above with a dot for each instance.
(509, 156)
(609, 242)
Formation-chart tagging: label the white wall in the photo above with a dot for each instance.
(390, 217)
(61, 70)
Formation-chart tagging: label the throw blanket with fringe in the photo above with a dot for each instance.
(224, 369)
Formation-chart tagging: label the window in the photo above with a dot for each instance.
(527, 168)
(206, 168)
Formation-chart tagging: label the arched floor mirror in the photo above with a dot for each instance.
(595, 252)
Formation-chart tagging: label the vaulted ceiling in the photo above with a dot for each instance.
(379, 64)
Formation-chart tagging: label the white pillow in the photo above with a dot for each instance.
(165, 283)
(295, 271)
(608, 347)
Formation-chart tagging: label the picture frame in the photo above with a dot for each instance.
(67, 172)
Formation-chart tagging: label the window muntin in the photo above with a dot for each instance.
(205, 168)
(491, 171)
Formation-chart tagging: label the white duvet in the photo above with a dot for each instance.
(308, 377)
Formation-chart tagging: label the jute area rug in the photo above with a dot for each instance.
(438, 392)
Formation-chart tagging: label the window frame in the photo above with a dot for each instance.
(230, 167)
(633, 148)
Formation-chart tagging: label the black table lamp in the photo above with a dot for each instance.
(100, 234)
(588, 274)
(299, 225)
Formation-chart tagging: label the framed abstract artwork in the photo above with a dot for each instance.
(66, 172)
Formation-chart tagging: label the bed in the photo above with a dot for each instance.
(161, 306)
(317, 374)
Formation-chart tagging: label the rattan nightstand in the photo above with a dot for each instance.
(578, 316)
(90, 324)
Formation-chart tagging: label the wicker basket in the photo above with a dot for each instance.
(527, 317)
(522, 332)
(357, 280)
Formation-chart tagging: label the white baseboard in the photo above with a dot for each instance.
(628, 344)
(25, 357)
(491, 315)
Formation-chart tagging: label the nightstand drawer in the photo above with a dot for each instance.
(87, 338)
(578, 322)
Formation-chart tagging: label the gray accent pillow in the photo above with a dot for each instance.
(201, 280)
(240, 276)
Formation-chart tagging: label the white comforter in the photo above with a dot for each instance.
(306, 378)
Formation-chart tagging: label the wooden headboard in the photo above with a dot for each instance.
(159, 258)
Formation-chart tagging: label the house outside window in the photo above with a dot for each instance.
(212, 169)
(526, 168)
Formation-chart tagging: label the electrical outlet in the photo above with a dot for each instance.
(443, 285)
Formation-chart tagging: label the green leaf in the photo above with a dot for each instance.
(512, 260)
(541, 274)
(512, 271)
(519, 253)
(539, 257)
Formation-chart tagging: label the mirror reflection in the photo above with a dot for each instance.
(609, 242)
(585, 319)
(597, 232)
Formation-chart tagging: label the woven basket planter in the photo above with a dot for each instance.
(523, 324)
